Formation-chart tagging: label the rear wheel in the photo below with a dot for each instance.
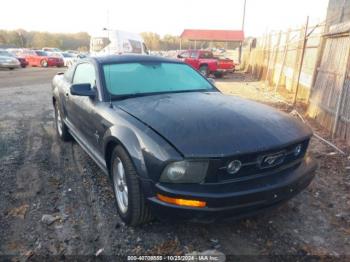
(61, 128)
(203, 69)
(131, 203)
(43, 63)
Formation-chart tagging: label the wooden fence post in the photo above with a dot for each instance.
(268, 51)
(320, 52)
(277, 50)
(285, 54)
(297, 58)
(272, 60)
(301, 62)
(341, 94)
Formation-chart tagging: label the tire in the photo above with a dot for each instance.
(61, 128)
(203, 69)
(133, 210)
(218, 75)
(43, 63)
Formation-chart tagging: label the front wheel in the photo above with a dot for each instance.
(218, 75)
(204, 70)
(43, 63)
(61, 128)
(131, 203)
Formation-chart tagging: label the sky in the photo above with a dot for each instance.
(160, 16)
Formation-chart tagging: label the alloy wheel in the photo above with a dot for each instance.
(58, 121)
(120, 185)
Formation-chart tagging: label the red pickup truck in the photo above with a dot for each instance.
(205, 62)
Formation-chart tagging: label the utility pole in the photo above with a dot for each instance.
(108, 29)
(243, 24)
(244, 9)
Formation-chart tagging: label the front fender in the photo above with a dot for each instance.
(123, 135)
(148, 151)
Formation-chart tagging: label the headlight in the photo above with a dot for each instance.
(189, 172)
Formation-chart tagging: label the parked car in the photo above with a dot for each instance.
(69, 59)
(41, 58)
(7, 60)
(205, 62)
(174, 146)
(72, 52)
(22, 61)
(201, 60)
(51, 49)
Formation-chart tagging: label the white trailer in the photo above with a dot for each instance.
(117, 42)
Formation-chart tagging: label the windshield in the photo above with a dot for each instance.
(56, 54)
(67, 55)
(41, 53)
(150, 77)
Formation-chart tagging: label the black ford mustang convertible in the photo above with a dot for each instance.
(174, 146)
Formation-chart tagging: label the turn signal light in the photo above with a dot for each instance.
(181, 202)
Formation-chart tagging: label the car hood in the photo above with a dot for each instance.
(2, 57)
(215, 125)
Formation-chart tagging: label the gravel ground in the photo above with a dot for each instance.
(42, 176)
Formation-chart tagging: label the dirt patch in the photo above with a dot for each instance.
(18, 211)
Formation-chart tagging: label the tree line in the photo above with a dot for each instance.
(33, 39)
(80, 41)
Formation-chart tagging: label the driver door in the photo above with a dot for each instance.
(82, 109)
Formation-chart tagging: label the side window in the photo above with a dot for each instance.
(145, 49)
(85, 73)
(185, 55)
(206, 55)
(194, 55)
(68, 75)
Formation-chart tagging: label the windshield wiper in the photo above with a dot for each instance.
(123, 97)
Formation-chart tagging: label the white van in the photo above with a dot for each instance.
(118, 42)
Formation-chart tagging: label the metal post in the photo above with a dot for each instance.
(243, 24)
(301, 62)
(244, 10)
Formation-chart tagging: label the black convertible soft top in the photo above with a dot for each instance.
(112, 59)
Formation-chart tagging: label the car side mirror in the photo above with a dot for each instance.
(179, 56)
(82, 90)
(212, 81)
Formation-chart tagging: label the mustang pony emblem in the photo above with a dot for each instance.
(272, 160)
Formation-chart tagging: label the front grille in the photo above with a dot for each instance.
(256, 163)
